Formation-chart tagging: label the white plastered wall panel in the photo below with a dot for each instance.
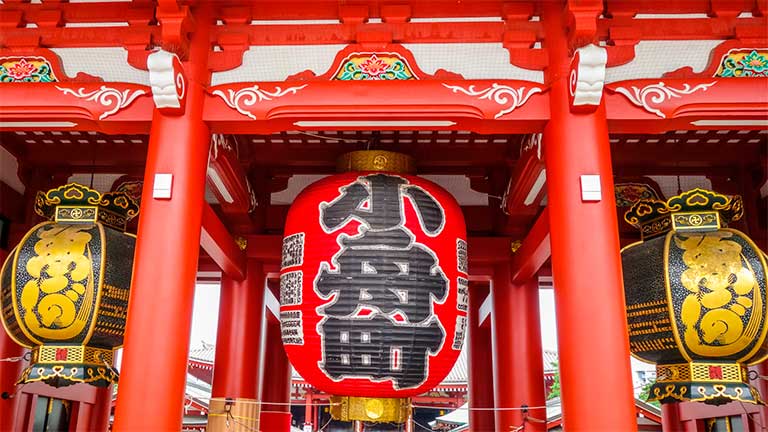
(108, 63)
(276, 63)
(655, 58)
(471, 60)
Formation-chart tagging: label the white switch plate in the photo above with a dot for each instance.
(590, 188)
(161, 188)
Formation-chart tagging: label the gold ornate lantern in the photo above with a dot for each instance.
(696, 298)
(64, 288)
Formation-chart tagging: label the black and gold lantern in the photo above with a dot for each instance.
(64, 288)
(696, 298)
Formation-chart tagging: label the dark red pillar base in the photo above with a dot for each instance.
(275, 421)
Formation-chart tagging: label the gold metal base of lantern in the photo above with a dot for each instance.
(64, 365)
(702, 372)
(380, 410)
(710, 383)
(233, 415)
(63, 354)
(376, 160)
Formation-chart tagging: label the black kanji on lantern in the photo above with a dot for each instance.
(381, 323)
(376, 347)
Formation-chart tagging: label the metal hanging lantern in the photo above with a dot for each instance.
(696, 298)
(373, 287)
(64, 288)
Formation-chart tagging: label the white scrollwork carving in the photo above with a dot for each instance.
(167, 80)
(249, 96)
(500, 94)
(654, 94)
(588, 75)
(106, 96)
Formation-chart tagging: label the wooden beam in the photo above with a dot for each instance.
(485, 311)
(525, 189)
(220, 246)
(534, 252)
(227, 179)
(482, 250)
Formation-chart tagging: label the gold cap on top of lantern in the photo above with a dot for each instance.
(376, 160)
(694, 210)
(75, 203)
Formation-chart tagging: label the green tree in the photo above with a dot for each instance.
(645, 392)
(554, 391)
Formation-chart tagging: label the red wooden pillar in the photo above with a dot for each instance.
(762, 387)
(156, 341)
(517, 358)
(276, 381)
(102, 408)
(670, 418)
(309, 414)
(480, 363)
(238, 349)
(586, 265)
(9, 373)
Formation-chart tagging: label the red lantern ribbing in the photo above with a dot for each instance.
(373, 288)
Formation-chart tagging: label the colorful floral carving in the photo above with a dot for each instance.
(744, 63)
(627, 194)
(26, 69)
(369, 66)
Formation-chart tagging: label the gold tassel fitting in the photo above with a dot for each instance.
(376, 160)
(379, 410)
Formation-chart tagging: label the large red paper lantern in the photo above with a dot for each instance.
(373, 287)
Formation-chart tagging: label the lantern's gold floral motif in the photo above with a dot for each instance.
(64, 288)
(696, 298)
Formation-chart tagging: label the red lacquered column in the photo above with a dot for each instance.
(670, 418)
(156, 342)
(480, 363)
(589, 297)
(276, 381)
(102, 408)
(9, 373)
(238, 350)
(517, 359)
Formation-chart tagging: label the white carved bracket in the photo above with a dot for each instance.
(500, 94)
(166, 76)
(587, 78)
(244, 98)
(112, 99)
(653, 96)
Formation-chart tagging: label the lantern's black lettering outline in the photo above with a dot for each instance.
(419, 200)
